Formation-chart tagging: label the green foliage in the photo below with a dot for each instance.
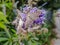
(3, 20)
(40, 39)
(2, 17)
(7, 32)
(3, 39)
(7, 36)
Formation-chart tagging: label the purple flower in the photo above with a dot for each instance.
(41, 15)
(33, 10)
(36, 12)
(23, 16)
(26, 9)
(38, 21)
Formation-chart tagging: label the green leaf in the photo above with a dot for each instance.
(29, 42)
(35, 38)
(3, 39)
(6, 43)
(2, 25)
(14, 39)
(34, 43)
(3, 17)
(10, 43)
(15, 43)
(8, 33)
(9, 5)
(13, 30)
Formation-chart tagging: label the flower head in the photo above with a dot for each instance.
(36, 14)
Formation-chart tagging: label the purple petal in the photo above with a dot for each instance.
(41, 15)
(27, 8)
(23, 26)
(33, 10)
(23, 16)
(37, 21)
(40, 20)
